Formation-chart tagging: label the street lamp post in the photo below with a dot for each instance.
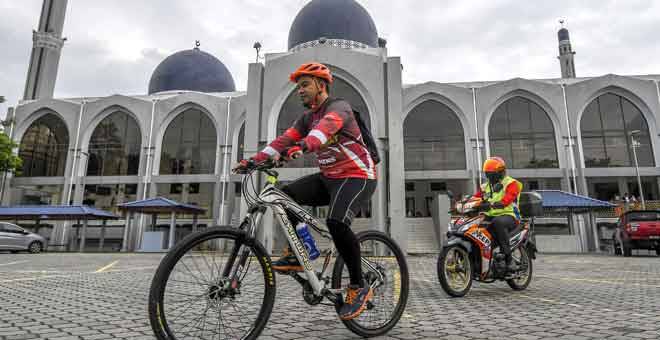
(634, 144)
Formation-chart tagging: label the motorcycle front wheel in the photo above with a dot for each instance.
(455, 270)
(524, 277)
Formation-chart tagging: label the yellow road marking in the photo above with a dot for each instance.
(129, 269)
(102, 269)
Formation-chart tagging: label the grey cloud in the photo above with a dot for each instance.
(114, 46)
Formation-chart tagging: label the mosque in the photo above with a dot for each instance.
(180, 138)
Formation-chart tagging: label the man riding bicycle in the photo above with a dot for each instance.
(500, 194)
(347, 179)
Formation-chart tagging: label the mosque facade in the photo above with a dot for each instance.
(180, 139)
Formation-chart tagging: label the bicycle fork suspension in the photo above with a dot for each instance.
(232, 269)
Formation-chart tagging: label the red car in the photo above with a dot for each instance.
(637, 230)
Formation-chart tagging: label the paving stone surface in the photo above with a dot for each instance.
(67, 296)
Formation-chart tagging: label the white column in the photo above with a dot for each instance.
(83, 235)
(127, 228)
(102, 241)
(395, 166)
(172, 229)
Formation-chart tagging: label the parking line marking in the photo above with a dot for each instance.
(102, 269)
(129, 269)
(15, 262)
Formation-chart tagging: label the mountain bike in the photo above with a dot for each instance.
(219, 284)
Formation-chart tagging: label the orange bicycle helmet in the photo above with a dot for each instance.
(494, 164)
(312, 69)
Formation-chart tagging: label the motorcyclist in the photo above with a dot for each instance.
(500, 194)
(346, 181)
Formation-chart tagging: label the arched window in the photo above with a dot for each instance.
(521, 132)
(189, 145)
(43, 147)
(433, 138)
(607, 124)
(241, 143)
(114, 149)
(293, 109)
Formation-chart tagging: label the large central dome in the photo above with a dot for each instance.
(191, 70)
(342, 20)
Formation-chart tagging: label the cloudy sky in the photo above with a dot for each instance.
(113, 46)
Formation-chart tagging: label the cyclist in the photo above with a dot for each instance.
(347, 179)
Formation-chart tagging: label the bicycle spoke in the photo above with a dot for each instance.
(191, 273)
(199, 303)
(381, 267)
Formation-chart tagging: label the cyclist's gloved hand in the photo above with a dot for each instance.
(243, 166)
(294, 152)
(302, 145)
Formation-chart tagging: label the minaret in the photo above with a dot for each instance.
(565, 53)
(47, 43)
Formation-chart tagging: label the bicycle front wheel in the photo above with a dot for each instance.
(384, 267)
(214, 284)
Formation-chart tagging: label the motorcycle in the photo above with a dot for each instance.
(470, 253)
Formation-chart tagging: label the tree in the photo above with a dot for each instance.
(8, 160)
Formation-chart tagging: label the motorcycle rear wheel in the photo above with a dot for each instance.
(455, 270)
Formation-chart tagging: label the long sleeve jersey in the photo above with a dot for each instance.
(332, 132)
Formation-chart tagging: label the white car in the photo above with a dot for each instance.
(15, 238)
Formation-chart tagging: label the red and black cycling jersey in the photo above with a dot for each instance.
(332, 132)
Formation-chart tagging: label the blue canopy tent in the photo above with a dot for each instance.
(59, 213)
(155, 206)
(570, 204)
(557, 200)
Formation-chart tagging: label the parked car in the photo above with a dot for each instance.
(637, 230)
(15, 238)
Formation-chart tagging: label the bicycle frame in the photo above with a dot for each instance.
(279, 202)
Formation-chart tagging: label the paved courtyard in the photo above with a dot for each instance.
(104, 296)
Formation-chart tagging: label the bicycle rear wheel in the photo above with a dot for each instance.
(381, 258)
(195, 296)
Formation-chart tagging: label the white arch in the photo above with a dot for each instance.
(437, 97)
(639, 103)
(103, 114)
(34, 117)
(165, 124)
(88, 132)
(538, 100)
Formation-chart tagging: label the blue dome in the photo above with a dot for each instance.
(562, 34)
(191, 70)
(333, 19)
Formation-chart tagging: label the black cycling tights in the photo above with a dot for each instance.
(349, 249)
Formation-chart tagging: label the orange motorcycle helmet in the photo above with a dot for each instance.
(495, 169)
